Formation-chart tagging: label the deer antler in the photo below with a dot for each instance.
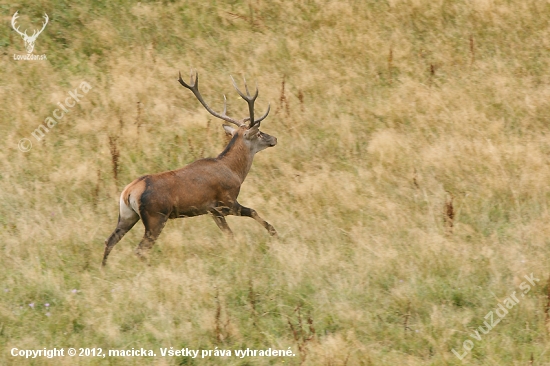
(34, 36)
(24, 34)
(13, 19)
(250, 100)
(194, 87)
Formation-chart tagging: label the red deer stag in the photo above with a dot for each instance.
(205, 186)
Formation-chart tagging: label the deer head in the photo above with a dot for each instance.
(252, 137)
(29, 40)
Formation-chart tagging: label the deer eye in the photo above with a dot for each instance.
(259, 135)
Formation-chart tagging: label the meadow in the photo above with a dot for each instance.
(409, 186)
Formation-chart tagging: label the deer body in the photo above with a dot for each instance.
(206, 186)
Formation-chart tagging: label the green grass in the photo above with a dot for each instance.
(371, 146)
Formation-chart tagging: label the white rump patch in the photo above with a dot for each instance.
(129, 213)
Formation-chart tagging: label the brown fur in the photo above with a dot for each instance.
(205, 186)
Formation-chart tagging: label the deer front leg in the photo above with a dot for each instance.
(250, 212)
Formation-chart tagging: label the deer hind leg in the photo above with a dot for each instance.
(250, 212)
(127, 218)
(218, 214)
(153, 227)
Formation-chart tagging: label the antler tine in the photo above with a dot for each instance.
(246, 97)
(246, 87)
(43, 25)
(247, 92)
(265, 114)
(257, 122)
(191, 81)
(184, 83)
(13, 19)
(194, 87)
(250, 100)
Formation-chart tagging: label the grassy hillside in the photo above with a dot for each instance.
(409, 187)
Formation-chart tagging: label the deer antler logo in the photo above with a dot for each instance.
(29, 40)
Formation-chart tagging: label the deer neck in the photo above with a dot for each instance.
(237, 156)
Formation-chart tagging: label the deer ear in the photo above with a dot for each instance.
(229, 130)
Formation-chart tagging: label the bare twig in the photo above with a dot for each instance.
(218, 329)
(253, 301)
(301, 334)
(95, 194)
(449, 212)
(390, 64)
(301, 99)
(547, 307)
(252, 18)
(283, 101)
(406, 316)
(472, 50)
(115, 154)
(138, 117)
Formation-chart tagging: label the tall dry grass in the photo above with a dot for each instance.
(388, 110)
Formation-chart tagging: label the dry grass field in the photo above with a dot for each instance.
(410, 185)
